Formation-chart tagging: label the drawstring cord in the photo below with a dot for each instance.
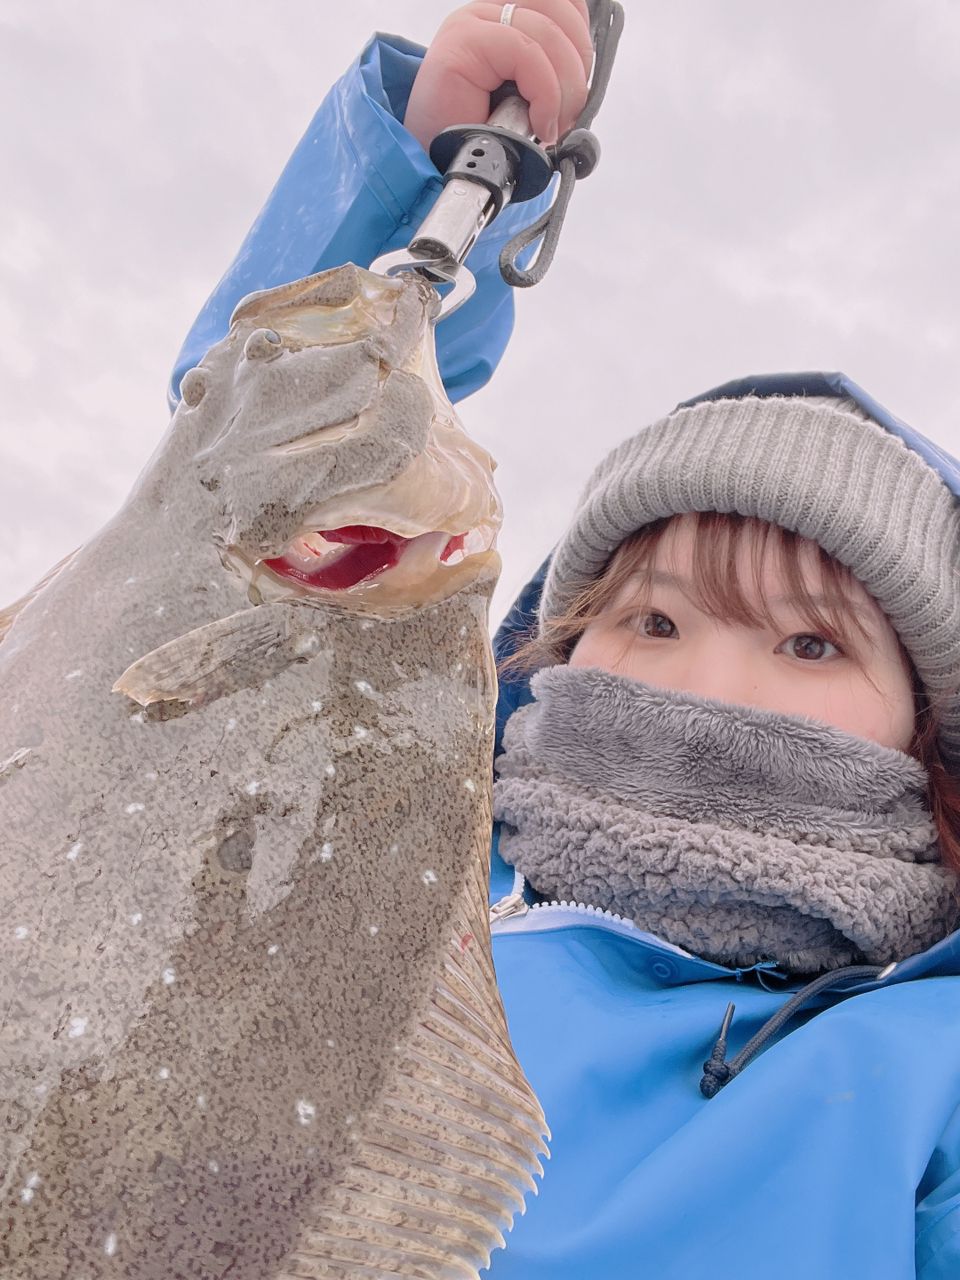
(717, 1071)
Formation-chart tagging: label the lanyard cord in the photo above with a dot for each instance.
(574, 157)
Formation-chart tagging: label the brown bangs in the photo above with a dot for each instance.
(722, 543)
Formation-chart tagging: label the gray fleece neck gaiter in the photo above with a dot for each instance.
(736, 833)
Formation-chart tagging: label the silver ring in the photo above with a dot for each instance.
(506, 14)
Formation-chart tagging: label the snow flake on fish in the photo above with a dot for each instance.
(331, 1043)
(366, 625)
(374, 930)
(317, 704)
(169, 976)
(201, 1101)
(273, 949)
(136, 918)
(458, 666)
(151, 776)
(129, 582)
(469, 784)
(76, 1027)
(330, 770)
(326, 851)
(253, 788)
(213, 1166)
(21, 932)
(72, 675)
(231, 724)
(363, 686)
(306, 1111)
(136, 807)
(306, 646)
(394, 848)
(163, 1073)
(429, 877)
(360, 732)
(29, 1188)
(110, 1245)
(139, 717)
(159, 610)
(462, 632)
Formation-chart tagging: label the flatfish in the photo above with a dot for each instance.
(250, 1024)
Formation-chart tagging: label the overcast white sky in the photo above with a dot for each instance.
(780, 189)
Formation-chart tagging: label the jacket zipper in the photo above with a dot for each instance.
(507, 912)
(513, 914)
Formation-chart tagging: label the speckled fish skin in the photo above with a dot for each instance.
(250, 1022)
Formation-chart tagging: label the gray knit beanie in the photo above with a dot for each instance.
(816, 465)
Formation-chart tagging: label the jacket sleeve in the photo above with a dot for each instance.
(358, 185)
(938, 1210)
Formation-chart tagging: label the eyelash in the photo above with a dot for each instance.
(636, 621)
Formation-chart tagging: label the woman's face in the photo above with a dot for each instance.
(668, 641)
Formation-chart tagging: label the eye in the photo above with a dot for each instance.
(262, 344)
(656, 625)
(809, 648)
(193, 387)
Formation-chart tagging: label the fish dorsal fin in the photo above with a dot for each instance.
(443, 1160)
(8, 616)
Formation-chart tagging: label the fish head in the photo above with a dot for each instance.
(330, 462)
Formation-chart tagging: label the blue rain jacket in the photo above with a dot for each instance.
(836, 1153)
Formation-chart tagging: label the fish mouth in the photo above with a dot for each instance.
(370, 567)
(344, 558)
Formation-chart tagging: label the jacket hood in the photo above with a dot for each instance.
(943, 958)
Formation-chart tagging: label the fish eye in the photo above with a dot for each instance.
(262, 344)
(193, 387)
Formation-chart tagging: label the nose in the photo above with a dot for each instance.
(726, 670)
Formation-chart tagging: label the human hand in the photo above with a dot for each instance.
(546, 50)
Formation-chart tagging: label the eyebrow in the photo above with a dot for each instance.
(660, 578)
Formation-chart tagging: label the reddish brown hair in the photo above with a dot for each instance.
(719, 540)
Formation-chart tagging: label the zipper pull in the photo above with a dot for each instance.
(512, 905)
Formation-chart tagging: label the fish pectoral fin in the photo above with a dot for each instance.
(444, 1159)
(233, 653)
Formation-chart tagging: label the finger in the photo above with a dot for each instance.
(568, 61)
(546, 68)
(505, 53)
(571, 16)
